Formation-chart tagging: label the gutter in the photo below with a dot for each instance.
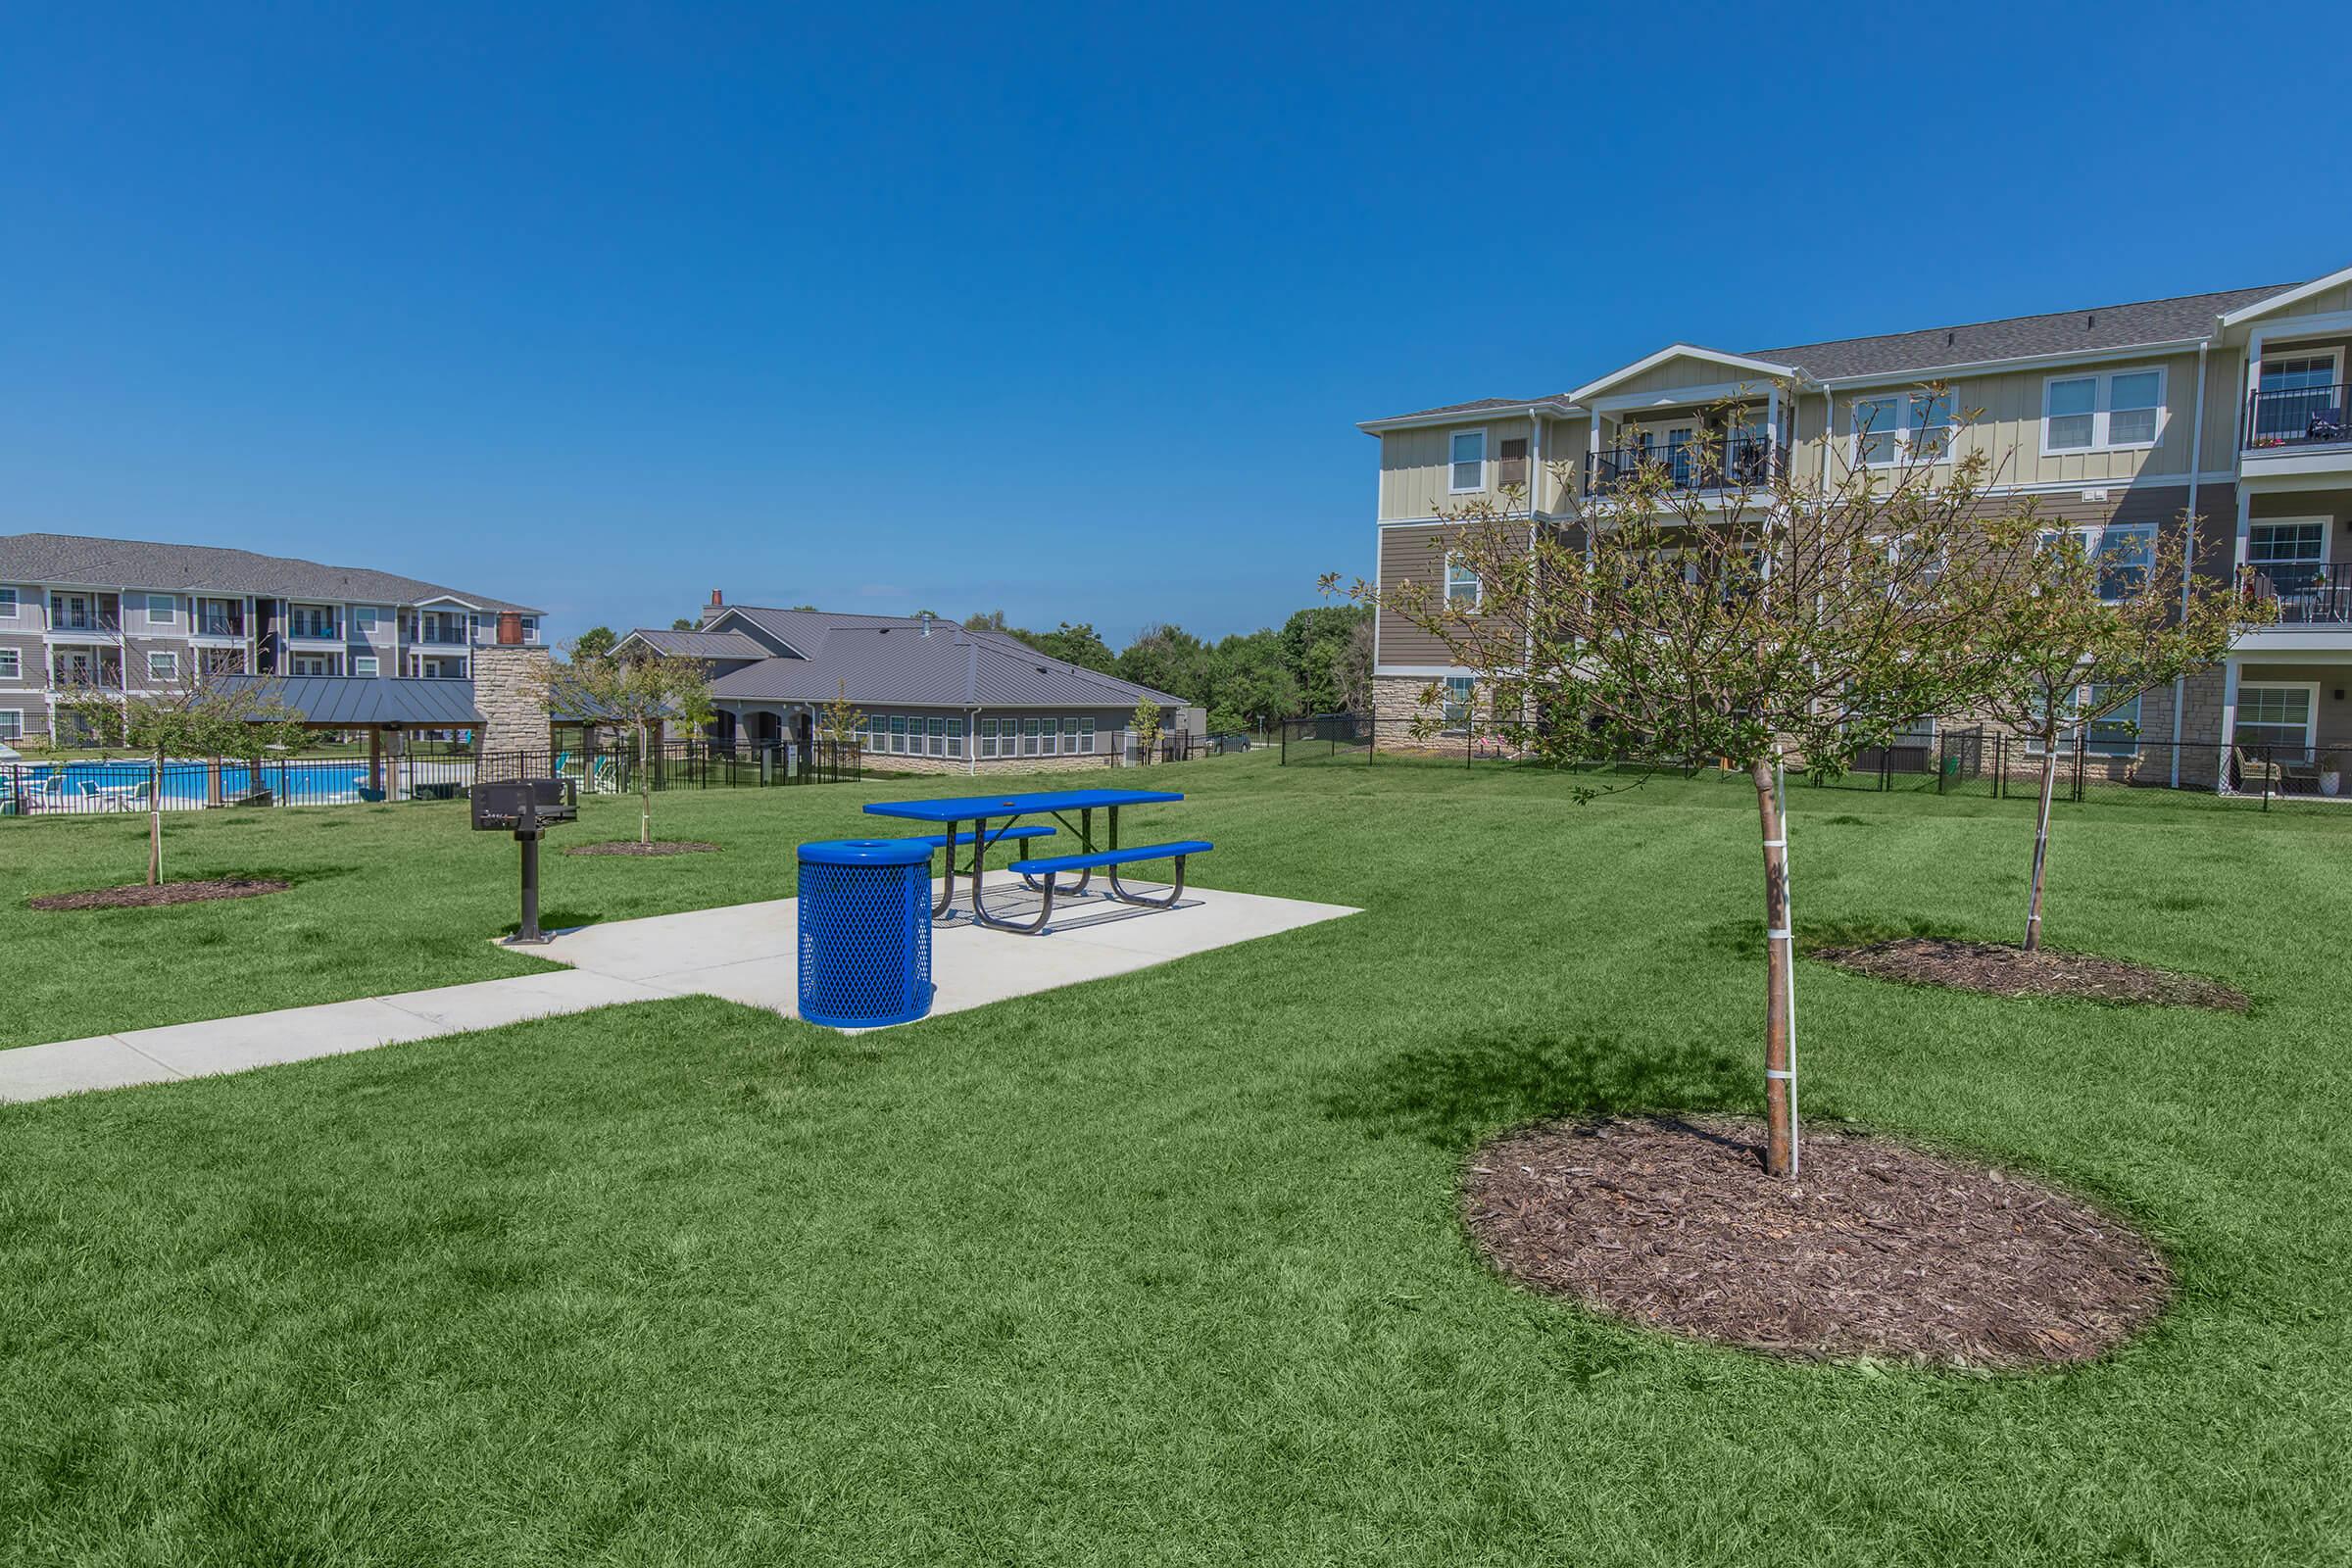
(2188, 551)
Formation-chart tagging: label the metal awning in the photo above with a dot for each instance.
(355, 702)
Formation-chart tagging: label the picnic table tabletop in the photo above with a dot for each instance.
(975, 807)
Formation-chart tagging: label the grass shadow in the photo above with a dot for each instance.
(1452, 1097)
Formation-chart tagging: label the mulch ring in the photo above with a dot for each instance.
(2001, 970)
(632, 846)
(1878, 1249)
(140, 896)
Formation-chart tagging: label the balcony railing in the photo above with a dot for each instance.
(315, 631)
(1711, 465)
(72, 675)
(83, 620)
(219, 626)
(2305, 596)
(2297, 416)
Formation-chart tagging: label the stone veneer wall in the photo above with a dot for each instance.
(509, 692)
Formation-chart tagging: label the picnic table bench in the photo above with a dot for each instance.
(1007, 811)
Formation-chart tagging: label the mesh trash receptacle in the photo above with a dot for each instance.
(865, 932)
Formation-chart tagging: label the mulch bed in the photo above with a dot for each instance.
(632, 846)
(2002, 970)
(1877, 1251)
(140, 896)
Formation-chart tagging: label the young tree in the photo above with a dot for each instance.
(1763, 623)
(199, 717)
(1146, 724)
(639, 692)
(839, 722)
(2081, 634)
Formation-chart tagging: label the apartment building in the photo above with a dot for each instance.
(128, 616)
(2227, 409)
(936, 698)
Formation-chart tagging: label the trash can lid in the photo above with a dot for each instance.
(866, 851)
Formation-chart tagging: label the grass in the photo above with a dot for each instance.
(1160, 1269)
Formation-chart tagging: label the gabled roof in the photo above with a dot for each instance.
(88, 560)
(1744, 365)
(717, 646)
(886, 660)
(2286, 297)
(358, 701)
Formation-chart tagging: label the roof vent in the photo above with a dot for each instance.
(1948, 338)
(2090, 321)
(926, 620)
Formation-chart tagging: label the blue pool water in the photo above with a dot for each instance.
(191, 783)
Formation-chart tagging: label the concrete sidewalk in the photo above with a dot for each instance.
(747, 952)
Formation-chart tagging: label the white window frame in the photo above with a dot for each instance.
(531, 629)
(1477, 585)
(1029, 737)
(171, 663)
(2103, 406)
(2311, 710)
(1453, 464)
(11, 723)
(987, 738)
(1906, 402)
(2333, 356)
(1468, 687)
(1086, 735)
(955, 736)
(2326, 525)
(2120, 745)
(324, 662)
(1069, 736)
(369, 659)
(12, 664)
(170, 612)
(2091, 538)
(9, 603)
(363, 618)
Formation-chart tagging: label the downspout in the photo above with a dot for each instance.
(2189, 549)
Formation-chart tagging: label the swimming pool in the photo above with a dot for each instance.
(188, 786)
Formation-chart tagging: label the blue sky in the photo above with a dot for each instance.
(1064, 311)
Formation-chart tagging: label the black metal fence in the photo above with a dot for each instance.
(1957, 763)
(96, 785)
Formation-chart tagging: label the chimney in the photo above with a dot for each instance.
(717, 601)
(510, 628)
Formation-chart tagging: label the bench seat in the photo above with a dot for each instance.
(1106, 857)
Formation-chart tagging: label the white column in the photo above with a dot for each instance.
(2228, 720)
(2245, 527)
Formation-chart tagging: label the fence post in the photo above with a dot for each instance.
(2267, 776)
(2081, 741)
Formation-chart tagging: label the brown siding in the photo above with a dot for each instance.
(1417, 555)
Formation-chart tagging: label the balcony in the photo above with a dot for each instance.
(313, 632)
(73, 674)
(2301, 429)
(221, 623)
(104, 624)
(2305, 596)
(1741, 463)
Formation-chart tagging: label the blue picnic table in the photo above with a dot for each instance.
(1000, 818)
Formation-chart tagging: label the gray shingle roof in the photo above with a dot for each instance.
(362, 700)
(884, 660)
(2088, 331)
(712, 645)
(88, 560)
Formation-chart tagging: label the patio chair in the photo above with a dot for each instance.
(2256, 775)
(2327, 424)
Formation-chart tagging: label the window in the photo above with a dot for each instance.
(1069, 737)
(877, 733)
(314, 665)
(955, 737)
(2295, 389)
(311, 620)
(988, 737)
(8, 604)
(1028, 737)
(163, 666)
(531, 629)
(363, 664)
(1086, 736)
(1469, 460)
(1898, 425)
(2115, 412)
(2123, 552)
(1461, 691)
(1463, 590)
(12, 665)
(2117, 733)
(2277, 718)
(11, 723)
(2291, 553)
(897, 734)
(1510, 461)
(159, 610)
(363, 617)
(937, 733)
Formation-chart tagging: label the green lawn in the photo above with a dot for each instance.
(1163, 1268)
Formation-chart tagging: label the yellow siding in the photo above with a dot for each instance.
(2327, 301)
(1414, 466)
(1682, 372)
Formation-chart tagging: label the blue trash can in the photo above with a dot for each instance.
(865, 932)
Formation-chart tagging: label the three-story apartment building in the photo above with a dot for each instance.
(2226, 412)
(127, 616)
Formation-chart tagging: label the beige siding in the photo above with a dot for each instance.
(1414, 477)
(1679, 374)
(2326, 302)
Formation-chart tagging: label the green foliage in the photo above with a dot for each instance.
(839, 721)
(594, 643)
(683, 624)
(1168, 659)
(1079, 645)
(637, 695)
(1146, 724)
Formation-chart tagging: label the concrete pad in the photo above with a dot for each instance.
(488, 1003)
(263, 1039)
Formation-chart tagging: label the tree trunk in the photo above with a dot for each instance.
(645, 791)
(2041, 839)
(1779, 983)
(155, 820)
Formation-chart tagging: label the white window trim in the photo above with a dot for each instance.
(2311, 710)
(1477, 599)
(10, 602)
(16, 733)
(1486, 455)
(18, 656)
(363, 617)
(1900, 452)
(172, 654)
(2326, 525)
(2102, 406)
(171, 613)
(357, 660)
